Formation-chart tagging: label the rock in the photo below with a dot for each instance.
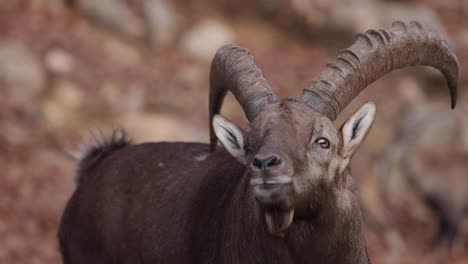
(62, 107)
(121, 51)
(52, 4)
(202, 41)
(117, 101)
(163, 22)
(69, 95)
(349, 16)
(405, 12)
(144, 127)
(135, 99)
(15, 133)
(192, 74)
(113, 15)
(58, 61)
(22, 76)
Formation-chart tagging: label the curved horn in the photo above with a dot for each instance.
(372, 55)
(233, 69)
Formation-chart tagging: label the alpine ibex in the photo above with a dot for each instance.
(279, 191)
(426, 166)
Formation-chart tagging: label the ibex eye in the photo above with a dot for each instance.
(323, 142)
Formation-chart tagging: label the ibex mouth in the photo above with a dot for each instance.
(278, 221)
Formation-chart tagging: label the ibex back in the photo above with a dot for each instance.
(279, 191)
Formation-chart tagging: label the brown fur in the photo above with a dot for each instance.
(159, 203)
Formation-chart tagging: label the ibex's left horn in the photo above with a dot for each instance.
(233, 69)
(374, 54)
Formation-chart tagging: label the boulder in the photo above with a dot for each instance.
(22, 76)
(163, 22)
(114, 16)
(203, 40)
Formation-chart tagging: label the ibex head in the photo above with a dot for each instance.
(294, 155)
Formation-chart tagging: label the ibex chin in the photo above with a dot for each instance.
(280, 191)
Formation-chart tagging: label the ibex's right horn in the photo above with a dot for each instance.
(374, 54)
(233, 69)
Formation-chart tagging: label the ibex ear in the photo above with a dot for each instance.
(355, 129)
(231, 137)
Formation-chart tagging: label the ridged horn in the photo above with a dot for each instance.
(372, 55)
(234, 70)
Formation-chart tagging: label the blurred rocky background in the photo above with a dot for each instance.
(73, 70)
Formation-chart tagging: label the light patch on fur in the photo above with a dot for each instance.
(337, 163)
(314, 172)
(343, 199)
(355, 129)
(231, 137)
(343, 165)
(201, 157)
(334, 163)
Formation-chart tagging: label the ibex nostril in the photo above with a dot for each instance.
(273, 161)
(265, 163)
(257, 163)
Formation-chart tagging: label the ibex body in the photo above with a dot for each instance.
(426, 166)
(279, 191)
